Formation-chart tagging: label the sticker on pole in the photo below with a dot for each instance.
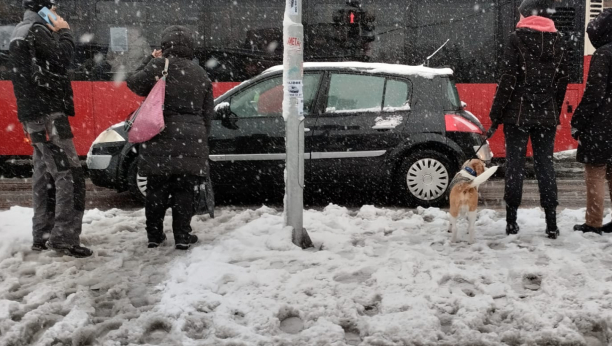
(295, 88)
(294, 43)
(294, 8)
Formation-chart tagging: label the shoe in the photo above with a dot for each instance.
(584, 228)
(39, 246)
(607, 228)
(154, 244)
(552, 232)
(191, 240)
(512, 228)
(76, 251)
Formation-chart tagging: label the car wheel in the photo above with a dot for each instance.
(137, 184)
(424, 177)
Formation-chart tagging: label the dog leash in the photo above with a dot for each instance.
(475, 155)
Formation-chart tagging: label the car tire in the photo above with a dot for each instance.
(423, 178)
(137, 185)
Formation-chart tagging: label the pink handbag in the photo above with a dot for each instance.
(148, 120)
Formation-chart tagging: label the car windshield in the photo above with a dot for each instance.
(452, 95)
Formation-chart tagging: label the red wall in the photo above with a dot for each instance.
(112, 103)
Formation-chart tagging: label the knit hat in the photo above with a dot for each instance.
(536, 8)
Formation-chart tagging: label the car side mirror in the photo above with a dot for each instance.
(223, 111)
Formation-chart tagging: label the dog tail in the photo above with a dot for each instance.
(484, 176)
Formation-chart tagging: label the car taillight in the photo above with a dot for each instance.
(455, 123)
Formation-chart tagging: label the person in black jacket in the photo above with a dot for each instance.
(40, 55)
(592, 124)
(176, 160)
(528, 103)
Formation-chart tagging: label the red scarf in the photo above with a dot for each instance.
(537, 23)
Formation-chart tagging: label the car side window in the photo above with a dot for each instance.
(350, 93)
(397, 95)
(265, 99)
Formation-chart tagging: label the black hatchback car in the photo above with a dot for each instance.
(378, 129)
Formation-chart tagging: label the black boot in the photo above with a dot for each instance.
(511, 226)
(156, 243)
(39, 246)
(607, 228)
(584, 228)
(77, 251)
(192, 239)
(551, 223)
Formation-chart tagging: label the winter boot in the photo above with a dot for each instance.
(551, 223)
(154, 244)
(584, 228)
(39, 246)
(511, 226)
(77, 251)
(192, 239)
(607, 228)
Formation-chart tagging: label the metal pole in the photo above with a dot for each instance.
(293, 109)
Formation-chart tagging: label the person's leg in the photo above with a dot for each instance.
(595, 176)
(607, 228)
(43, 188)
(516, 149)
(543, 143)
(184, 195)
(43, 202)
(156, 203)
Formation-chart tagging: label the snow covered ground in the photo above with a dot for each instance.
(378, 277)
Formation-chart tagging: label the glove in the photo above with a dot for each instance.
(492, 130)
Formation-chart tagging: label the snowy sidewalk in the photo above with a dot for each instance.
(379, 277)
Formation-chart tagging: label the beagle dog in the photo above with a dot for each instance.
(464, 194)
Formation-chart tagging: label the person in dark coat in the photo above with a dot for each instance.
(40, 55)
(592, 124)
(176, 160)
(528, 103)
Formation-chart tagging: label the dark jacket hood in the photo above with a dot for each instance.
(600, 29)
(178, 41)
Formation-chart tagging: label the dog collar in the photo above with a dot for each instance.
(471, 171)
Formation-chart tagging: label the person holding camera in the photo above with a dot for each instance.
(528, 101)
(40, 53)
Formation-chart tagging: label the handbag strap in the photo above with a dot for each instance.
(165, 72)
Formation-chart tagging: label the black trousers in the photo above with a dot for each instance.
(174, 191)
(543, 143)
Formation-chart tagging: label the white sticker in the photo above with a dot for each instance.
(295, 88)
(294, 7)
(301, 106)
(119, 39)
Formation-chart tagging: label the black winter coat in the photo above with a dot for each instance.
(533, 80)
(182, 147)
(592, 121)
(54, 53)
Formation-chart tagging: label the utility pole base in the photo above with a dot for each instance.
(301, 238)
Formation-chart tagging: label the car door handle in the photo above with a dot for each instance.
(383, 127)
(306, 129)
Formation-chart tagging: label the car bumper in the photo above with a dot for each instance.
(102, 169)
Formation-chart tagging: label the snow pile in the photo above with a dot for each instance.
(377, 277)
(567, 155)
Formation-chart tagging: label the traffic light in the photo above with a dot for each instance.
(358, 23)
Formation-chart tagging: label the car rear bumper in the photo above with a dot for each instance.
(103, 170)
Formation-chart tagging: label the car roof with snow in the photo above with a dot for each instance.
(366, 67)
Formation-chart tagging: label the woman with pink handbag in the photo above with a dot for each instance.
(175, 161)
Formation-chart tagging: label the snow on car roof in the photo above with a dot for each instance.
(422, 71)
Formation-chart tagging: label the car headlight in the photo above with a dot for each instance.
(109, 136)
